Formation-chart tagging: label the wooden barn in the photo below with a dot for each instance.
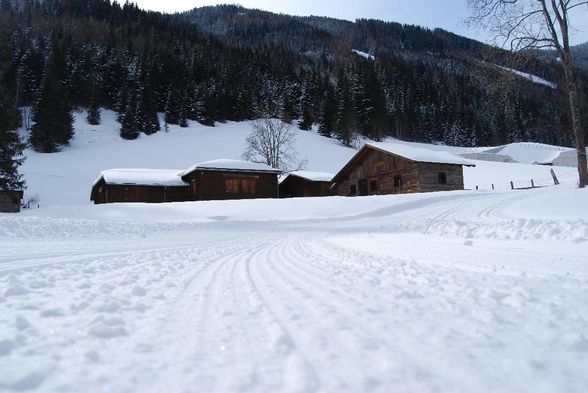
(305, 184)
(231, 179)
(139, 185)
(395, 168)
(10, 201)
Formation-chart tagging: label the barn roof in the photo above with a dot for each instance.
(408, 152)
(141, 176)
(419, 154)
(310, 175)
(230, 165)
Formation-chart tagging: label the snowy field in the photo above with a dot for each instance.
(465, 291)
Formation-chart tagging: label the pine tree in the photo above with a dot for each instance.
(328, 112)
(93, 112)
(345, 123)
(53, 121)
(11, 146)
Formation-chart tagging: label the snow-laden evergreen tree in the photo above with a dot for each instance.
(93, 111)
(52, 117)
(11, 146)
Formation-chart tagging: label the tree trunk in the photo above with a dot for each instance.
(577, 126)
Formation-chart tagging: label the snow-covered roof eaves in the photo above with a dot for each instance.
(231, 165)
(311, 175)
(418, 154)
(142, 176)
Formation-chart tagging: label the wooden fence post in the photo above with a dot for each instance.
(555, 181)
(532, 184)
(492, 186)
(476, 188)
(511, 185)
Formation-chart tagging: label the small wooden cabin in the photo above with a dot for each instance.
(231, 179)
(305, 184)
(394, 168)
(139, 185)
(10, 201)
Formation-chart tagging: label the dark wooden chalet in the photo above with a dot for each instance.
(231, 179)
(305, 184)
(10, 201)
(395, 168)
(139, 185)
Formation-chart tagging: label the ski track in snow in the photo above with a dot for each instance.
(304, 306)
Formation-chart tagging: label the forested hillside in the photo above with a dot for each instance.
(229, 63)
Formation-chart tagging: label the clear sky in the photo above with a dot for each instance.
(447, 14)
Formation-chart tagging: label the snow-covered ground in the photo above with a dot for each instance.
(444, 292)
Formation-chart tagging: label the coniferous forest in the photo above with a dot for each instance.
(222, 63)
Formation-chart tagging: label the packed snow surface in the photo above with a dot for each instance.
(153, 177)
(231, 165)
(421, 154)
(443, 292)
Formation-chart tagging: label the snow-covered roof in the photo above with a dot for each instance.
(310, 175)
(421, 154)
(141, 176)
(230, 165)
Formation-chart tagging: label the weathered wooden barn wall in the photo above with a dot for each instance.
(219, 185)
(297, 187)
(430, 177)
(111, 193)
(10, 201)
(375, 172)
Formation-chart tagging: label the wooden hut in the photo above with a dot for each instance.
(231, 179)
(139, 185)
(305, 184)
(397, 168)
(10, 201)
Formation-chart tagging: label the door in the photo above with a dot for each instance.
(362, 186)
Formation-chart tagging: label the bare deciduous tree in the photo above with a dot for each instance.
(272, 142)
(538, 24)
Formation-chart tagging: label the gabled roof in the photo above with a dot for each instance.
(230, 165)
(419, 154)
(310, 175)
(407, 152)
(141, 176)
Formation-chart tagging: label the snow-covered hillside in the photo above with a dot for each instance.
(66, 178)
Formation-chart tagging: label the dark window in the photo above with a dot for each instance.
(442, 178)
(353, 190)
(362, 185)
(397, 181)
(240, 185)
(373, 186)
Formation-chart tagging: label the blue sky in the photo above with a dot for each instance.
(447, 14)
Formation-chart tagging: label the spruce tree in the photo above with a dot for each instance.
(53, 121)
(93, 112)
(11, 146)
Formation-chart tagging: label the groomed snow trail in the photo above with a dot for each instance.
(443, 294)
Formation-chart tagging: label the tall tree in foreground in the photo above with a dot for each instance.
(11, 146)
(537, 24)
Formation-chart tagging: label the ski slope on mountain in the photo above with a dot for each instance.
(444, 292)
(66, 178)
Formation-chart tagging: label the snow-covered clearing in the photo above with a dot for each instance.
(66, 178)
(451, 292)
(446, 292)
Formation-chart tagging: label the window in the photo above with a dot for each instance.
(240, 185)
(353, 190)
(397, 181)
(442, 178)
(373, 186)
